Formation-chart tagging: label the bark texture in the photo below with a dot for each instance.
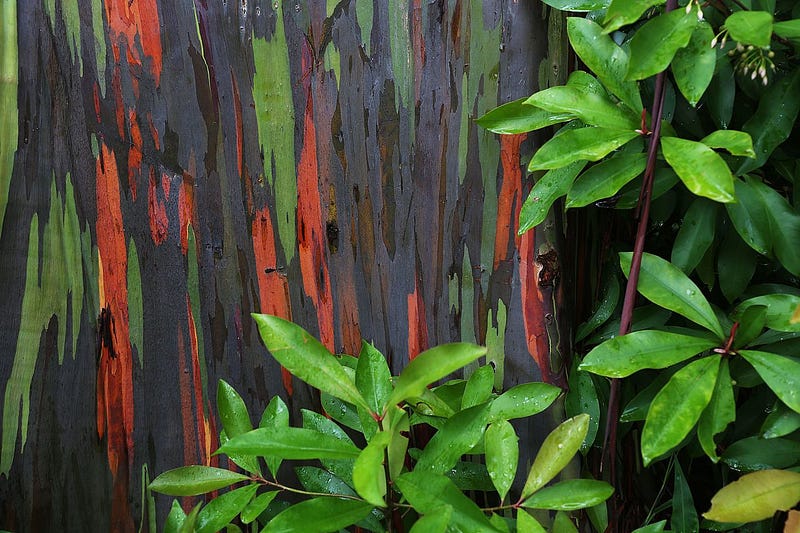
(169, 167)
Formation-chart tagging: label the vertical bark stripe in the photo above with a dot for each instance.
(533, 308)
(509, 201)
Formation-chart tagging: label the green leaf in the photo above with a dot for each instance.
(557, 450)
(695, 236)
(502, 454)
(773, 121)
(582, 398)
(188, 524)
(563, 523)
(290, 443)
(678, 406)
(427, 492)
(604, 179)
(224, 508)
(193, 480)
(577, 5)
(780, 422)
(720, 412)
(754, 453)
(721, 92)
(589, 143)
(369, 478)
(750, 216)
(343, 468)
(779, 373)
(528, 524)
(306, 358)
(636, 409)
(570, 495)
(664, 285)
(623, 12)
(457, 436)
(519, 117)
(373, 378)
(751, 323)
(684, 515)
(750, 27)
(434, 522)
(479, 387)
(736, 264)
(788, 29)
(652, 528)
(276, 414)
(700, 168)
(755, 496)
(602, 55)
(315, 479)
(693, 66)
(175, 518)
(235, 421)
(607, 303)
(319, 515)
(257, 506)
(523, 401)
(663, 181)
(343, 412)
(735, 142)
(468, 475)
(654, 45)
(432, 365)
(622, 356)
(553, 185)
(591, 108)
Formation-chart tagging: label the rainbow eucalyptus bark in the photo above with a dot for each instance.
(167, 168)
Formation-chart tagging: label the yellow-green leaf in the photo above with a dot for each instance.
(755, 496)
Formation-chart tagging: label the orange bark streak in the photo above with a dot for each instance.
(134, 154)
(203, 436)
(533, 310)
(509, 200)
(311, 231)
(157, 211)
(136, 23)
(417, 324)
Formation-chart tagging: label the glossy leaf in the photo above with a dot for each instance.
(693, 66)
(553, 185)
(457, 436)
(315, 479)
(235, 421)
(589, 144)
(652, 528)
(189, 523)
(780, 422)
(604, 57)
(427, 492)
(369, 477)
(654, 44)
(468, 475)
(754, 453)
(276, 414)
(257, 506)
(773, 120)
(502, 454)
(432, 365)
(750, 27)
(193, 480)
(788, 29)
(665, 285)
(604, 179)
(224, 508)
(528, 524)
(557, 450)
(373, 378)
(582, 398)
(663, 181)
(519, 117)
(343, 468)
(290, 443)
(755, 496)
(678, 406)
(622, 356)
(695, 236)
(623, 12)
(700, 168)
(433, 522)
(343, 412)
(522, 401)
(721, 93)
(563, 524)
(720, 412)
(570, 495)
(175, 518)
(306, 358)
(577, 5)
(479, 387)
(318, 515)
(636, 409)
(780, 373)
(604, 308)
(735, 142)
(591, 108)
(684, 515)
(736, 264)
(751, 323)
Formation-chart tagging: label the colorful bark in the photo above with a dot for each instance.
(317, 162)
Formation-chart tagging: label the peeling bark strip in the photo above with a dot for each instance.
(172, 167)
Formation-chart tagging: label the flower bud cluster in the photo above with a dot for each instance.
(753, 61)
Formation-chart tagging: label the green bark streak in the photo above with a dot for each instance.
(402, 62)
(496, 343)
(364, 16)
(135, 310)
(272, 94)
(9, 118)
(98, 31)
(193, 286)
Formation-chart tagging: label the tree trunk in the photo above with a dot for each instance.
(168, 168)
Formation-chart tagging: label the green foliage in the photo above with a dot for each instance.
(718, 345)
(372, 479)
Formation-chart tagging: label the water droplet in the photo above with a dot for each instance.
(690, 292)
(258, 11)
(274, 6)
(536, 199)
(560, 446)
(297, 8)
